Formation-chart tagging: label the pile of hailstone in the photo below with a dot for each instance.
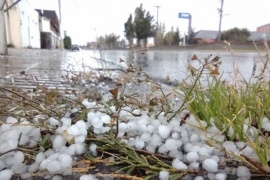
(185, 144)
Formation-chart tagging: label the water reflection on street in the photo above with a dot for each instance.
(160, 64)
(173, 63)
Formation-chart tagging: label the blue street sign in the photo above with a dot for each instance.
(184, 15)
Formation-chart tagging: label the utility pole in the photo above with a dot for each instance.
(157, 14)
(60, 24)
(3, 36)
(220, 10)
(156, 41)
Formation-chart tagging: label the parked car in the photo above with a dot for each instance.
(75, 48)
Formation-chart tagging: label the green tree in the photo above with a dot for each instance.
(101, 42)
(159, 39)
(144, 28)
(191, 38)
(169, 37)
(67, 42)
(176, 37)
(111, 40)
(236, 34)
(129, 31)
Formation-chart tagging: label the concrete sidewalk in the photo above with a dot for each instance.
(26, 67)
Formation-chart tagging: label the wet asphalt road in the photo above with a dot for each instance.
(27, 67)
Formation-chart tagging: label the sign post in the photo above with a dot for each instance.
(183, 15)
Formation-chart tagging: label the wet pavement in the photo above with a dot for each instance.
(27, 68)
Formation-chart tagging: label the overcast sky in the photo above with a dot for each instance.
(85, 19)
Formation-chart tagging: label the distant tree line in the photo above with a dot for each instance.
(141, 26)
(236, 34)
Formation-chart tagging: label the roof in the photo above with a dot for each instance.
(255, 36)
(266, 25)
(50, 14)
(206, 34)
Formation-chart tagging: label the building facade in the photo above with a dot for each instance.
(22, 25)
(264, 28)
(30, 28)
(49, 29)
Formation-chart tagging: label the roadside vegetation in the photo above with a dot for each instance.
(229, 117)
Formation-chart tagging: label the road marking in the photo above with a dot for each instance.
(32, 66)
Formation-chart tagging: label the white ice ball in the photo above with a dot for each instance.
(187, 147)
(2, 164)
(164, 131)
(150, 148)
(57, 177)
(53, 121)
(88, 104)
(243, 171)
(179, 165)
(122, 127)
(199, 178)
(19, 168)
(163, 149)
(204, 151)
(79, 139)
(194, 166)
(93, 147)
(229, 146)
(81, 124)
(175, 135)
(156, 140)
(65, 160)
(172, 144)
(66, 122)
(247, 151)
(150, 128)
(18, 157)
(11, 120)
(80, 148)
(132, 126)
(194, 138)
(6, 174)
(73, 130)
(98, 125)
(40, 157)
(139, 143)
(54, 166)
(90, 116)
(163, 175)
(221, 176)
(146, 137)
(192, 157)
(106, 119)
(210, 165)
(58, 142)
(33, 168)
(87, 177)
(71, 149)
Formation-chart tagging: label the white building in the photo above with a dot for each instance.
(49, 29)
(22, 25)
